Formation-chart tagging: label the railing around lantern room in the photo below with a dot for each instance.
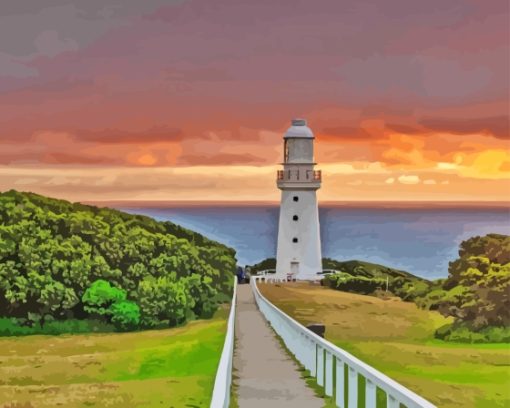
(298, 175)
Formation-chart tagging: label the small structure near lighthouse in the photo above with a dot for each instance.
(298, 254)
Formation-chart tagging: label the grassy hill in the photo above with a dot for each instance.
(369, 270)
(365, 278)
(397, 338)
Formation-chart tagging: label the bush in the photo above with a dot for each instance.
(431, 300)
(409, 290)
(125, 315)
(15, 327)
(100, 296)
(497, 334)
(356, 284)
(464, 334)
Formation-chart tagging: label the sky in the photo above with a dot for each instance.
(189, 99)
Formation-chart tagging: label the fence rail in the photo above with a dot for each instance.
(331, 365)
(223, 380)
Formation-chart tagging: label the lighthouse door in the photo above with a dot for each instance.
(294, 270)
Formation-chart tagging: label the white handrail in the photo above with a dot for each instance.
(223, 380)
(317, 355)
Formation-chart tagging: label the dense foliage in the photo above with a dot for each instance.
(356, 284)
(477, 290)
(60, 260)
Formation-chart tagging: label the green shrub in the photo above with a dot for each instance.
(431, 300)
(356, 284)
(125, 315)
(409, 290)
(443, 331)
(464, 334)
(497, 334)
(100, 296)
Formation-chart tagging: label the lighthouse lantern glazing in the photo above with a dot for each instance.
(298, 253)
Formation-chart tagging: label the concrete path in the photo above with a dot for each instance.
(265, 375)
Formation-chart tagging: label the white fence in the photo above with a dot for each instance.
(329, 363)
(223, 381)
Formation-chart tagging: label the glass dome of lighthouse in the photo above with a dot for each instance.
(299, 129)
(298, 143)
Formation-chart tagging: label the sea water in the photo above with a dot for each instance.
(418, 240)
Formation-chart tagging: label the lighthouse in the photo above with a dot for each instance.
(298, 253)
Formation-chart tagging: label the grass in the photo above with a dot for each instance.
(156, 368)
(397, 338)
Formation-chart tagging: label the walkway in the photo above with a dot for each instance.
(264, 373)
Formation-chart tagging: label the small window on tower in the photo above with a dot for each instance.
(295, 218)
(295, 198)
(294, 240)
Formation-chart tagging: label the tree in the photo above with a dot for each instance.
(477, 291)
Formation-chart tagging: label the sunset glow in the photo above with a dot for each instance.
(186, 100)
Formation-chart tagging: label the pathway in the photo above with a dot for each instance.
(265, 375)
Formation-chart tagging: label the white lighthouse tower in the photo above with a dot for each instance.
(299, 248)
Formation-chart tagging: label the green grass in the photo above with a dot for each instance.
(156, 368)
(397, 338)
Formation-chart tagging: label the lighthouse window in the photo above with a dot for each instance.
(295, 218)
(294, 240)
(295, 198)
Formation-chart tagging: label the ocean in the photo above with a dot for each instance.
(418, 240)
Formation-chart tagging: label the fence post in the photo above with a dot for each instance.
(391, 402)
(340, 384)
(320, 365)
(353, 388)
(313, 358)
(370, 394)
(329, 374)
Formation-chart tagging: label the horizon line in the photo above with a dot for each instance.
(346, 203)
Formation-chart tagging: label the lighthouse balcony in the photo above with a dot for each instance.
(299, 175)
(299, 178)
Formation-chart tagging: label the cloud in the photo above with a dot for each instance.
(153, 134)
(12, 67)
(408, 179)
(498, 126)
(344, 132)
(221, 159)
(429, 181)
(447, 166)
(50, 43)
